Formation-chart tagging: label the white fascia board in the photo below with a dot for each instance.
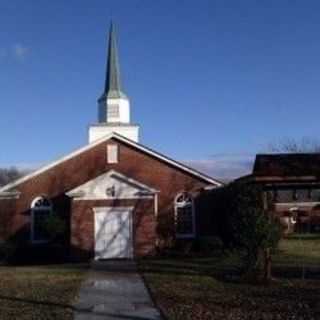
(122, 139)
(171, 161)
(214, 187)
(10, 195)
(54, 163)
(132, 181)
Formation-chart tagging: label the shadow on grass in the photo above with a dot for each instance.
(296, 272)
(217, 267)
(47, 266)
(222, 268)
(74, 309)
(63, 266)
(35, 302)
(307, 236)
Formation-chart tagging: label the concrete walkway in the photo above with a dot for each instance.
(114, 290)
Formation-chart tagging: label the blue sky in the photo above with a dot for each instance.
(211, 82)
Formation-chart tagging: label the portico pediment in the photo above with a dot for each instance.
(111, 185)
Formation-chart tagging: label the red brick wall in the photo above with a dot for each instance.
(133, 163)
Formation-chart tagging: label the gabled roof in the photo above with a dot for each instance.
(120, 138)
(287, 165)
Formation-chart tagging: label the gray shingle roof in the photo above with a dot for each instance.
(287, 164)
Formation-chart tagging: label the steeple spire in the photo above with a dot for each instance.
(112, 87)
(113, 104)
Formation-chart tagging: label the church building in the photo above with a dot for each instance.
(116, 197)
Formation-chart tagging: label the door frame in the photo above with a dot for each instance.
(106, 210)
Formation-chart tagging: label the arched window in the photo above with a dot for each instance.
(184, 216)
(41, 208)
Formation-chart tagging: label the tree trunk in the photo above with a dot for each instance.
(267, 265)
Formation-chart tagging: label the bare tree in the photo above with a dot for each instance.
(290, 145)
(10, 174)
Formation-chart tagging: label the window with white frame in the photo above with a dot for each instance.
(112, 153)
(184, 216)
(41, 208)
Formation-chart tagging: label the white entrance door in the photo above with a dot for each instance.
(113, 233)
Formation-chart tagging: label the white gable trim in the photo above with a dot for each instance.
(122, 139)
(9, 195)
(123, 186)
(132, 181)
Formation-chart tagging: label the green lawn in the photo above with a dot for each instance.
(207, 287)
(39, 292)
(299, 250)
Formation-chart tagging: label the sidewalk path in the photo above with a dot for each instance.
(114, 290)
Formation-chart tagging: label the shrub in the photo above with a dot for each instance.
(55, 227)
(210, 244)
(253, 230)
(7, 251)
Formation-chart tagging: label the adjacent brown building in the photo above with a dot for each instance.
(292, 184)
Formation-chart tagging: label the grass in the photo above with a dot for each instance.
(207, 287)
(298, 250)
(39, 292)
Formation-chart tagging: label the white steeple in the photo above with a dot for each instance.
(114, 106)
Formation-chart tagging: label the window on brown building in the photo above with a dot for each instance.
(284, 195)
